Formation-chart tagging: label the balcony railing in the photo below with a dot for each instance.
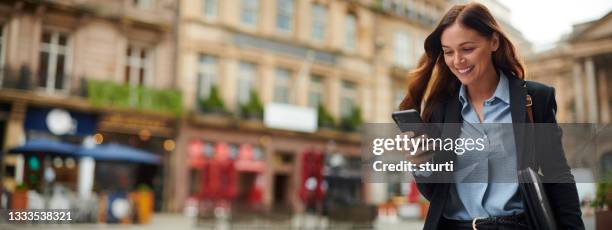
(98, 93)
(25, 79)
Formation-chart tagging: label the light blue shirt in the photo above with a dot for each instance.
(470, 197)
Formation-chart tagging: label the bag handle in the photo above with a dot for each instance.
(529, 108)
(528, 105)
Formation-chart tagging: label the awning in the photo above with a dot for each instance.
(117, 152)
(47, 146)
(110, 152)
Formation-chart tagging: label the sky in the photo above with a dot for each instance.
(543, 22)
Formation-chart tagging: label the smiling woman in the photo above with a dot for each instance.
(476, 42)
(470, 74)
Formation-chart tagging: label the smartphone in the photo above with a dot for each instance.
(408, 120)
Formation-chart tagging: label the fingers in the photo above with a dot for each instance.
(421, 154)
(420, 158)
(408, 133)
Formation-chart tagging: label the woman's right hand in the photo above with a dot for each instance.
(420, 156)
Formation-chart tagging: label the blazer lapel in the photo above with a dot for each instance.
(518, 95)
(453, 110)
(452, 124)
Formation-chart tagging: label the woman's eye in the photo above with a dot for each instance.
(468, 49)
(448, 53)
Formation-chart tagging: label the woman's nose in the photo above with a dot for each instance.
(458, 60)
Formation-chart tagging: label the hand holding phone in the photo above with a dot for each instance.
(410, 124)
(408, 120)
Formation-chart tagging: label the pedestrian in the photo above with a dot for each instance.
(471, 75)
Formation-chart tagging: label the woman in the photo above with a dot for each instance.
(470, 74)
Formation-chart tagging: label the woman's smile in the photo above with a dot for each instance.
(465, 71)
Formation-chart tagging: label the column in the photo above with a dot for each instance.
(86, 176)
(578, 93)
(267, 74)
(189, 65)
(604, 96)
(302, 85)
(591, 90)
(230, 73)
(176, 190)
(333, 95)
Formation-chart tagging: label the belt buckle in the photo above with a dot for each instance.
(474, 222)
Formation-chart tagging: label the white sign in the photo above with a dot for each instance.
(290, 117)
(60, 122)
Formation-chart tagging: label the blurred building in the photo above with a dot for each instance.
(106, 67)
(282, 57)
(579, 69)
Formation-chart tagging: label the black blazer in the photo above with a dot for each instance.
(563, 197)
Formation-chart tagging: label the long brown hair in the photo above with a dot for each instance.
(434, 78)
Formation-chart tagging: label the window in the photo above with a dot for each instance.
(350, 28)
(137, 67)
(249, 10)
(398, 7)
(319, 16)
(348, 98)
(403, 50)
(210, 8)
(143, 4)
(315, 91)
(53, 63)
(246, 81)
(606, 163)
(282, 86)
(284, 15)
(207, 75)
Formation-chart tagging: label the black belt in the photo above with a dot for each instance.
(518, 221)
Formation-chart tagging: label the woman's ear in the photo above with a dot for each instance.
(494, 42)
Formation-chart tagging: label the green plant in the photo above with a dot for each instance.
(21, 187)
(378, 6)
(324, 119)
(604, 192)
(352, 121)
(213, 103)
(143, 187)
(253, 109)
(107, 93)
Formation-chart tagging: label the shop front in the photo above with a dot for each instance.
(74, 158)
(272, 168)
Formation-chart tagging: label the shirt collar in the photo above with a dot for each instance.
(502, 92)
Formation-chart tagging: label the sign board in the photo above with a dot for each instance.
(290, 117)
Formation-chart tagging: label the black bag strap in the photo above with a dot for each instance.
(530, 135)
(528, 104)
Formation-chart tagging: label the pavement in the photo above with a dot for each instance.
(171, 221)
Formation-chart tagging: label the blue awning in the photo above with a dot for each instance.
(117, 152)
(46, 146)
(109, 152)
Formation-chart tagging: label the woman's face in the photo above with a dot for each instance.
(467, 53)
